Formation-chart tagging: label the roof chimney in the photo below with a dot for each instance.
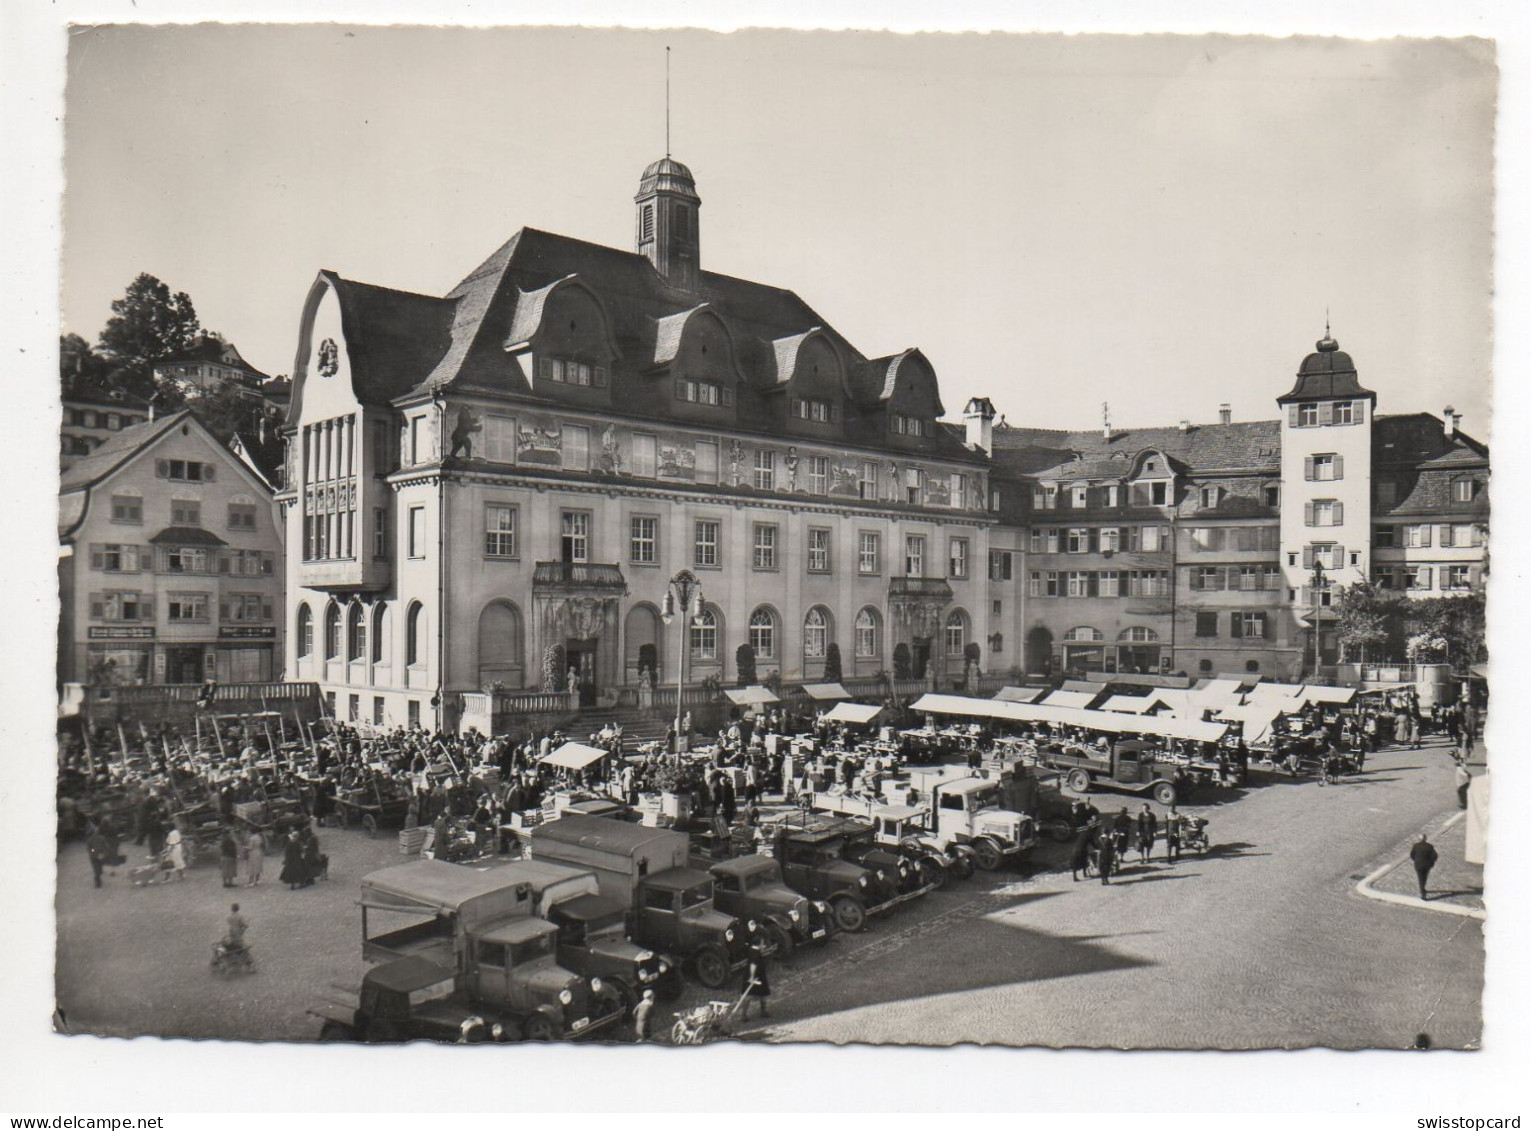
(1105, 420)
(1450, 419)
(1185, 425)
(1225, 414)
(978, 416)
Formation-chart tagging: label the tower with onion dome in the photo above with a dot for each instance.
(668, 229)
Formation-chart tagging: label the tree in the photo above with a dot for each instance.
(903, 667)
(832, 663)
(148, 325)
(553, 677)
(1364, 616)
(224, 409)
(78, 364)
(1448, 630)
(744, 661)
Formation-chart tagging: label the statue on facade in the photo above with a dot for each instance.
(895, 488)
(462, 434)
(735, 461)
(792, 469)
(611, 455)
(573, 682)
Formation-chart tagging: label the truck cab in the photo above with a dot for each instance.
(513, 973)
(592, 940)
(967, 813)
(813, 863)
(751, 888)
(408, 999)
(675, 912)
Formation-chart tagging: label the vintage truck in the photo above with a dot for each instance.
(751, 888)
(669, 906)
(1129, 766)
(812, 852)
(477, 928)
(409, 999)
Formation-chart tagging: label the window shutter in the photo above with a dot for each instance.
(1307, 469)
(1217, 537)
(146, 608)
(1092, 584)
(1424, 535)
(1339, 514)
(1291, 415)
(1358, 411)
(1337, 557)
(728, 397)
(600, 377)
(1475, 576)
(1425, 578)
(223, 563)
(1446, 535)
(1094, 540)
(1307, 514)
(1263, 622)
(1224, 579)
(545, 368)
(1195, 579)
(97, 557)
(1339, 467)
(266, 563)
(1326, 413)
(1307, 557)
(1235, 625)
(223, 610)
(97, 608)
(162, 468)
(265, 610)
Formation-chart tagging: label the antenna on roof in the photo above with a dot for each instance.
(1326, 309)
(667, 100)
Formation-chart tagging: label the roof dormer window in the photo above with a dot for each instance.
(1307, 415)
(808, 408)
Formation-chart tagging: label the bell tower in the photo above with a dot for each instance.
(668, 225)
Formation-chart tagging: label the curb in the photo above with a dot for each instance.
(1365, 889)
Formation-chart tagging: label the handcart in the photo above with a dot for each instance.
(708, 1021)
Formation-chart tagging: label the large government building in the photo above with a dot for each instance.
(484, 483)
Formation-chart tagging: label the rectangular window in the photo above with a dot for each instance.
(184, 470)
(1324, 468)
(1210, 497)
(706, 461)
(1109, 583)
(645, 455)
(185, 513)
(706, 546)
(499, 531)
(1385, 577)
(1078, 540)
(1052, 583)
(1322, 513)
(959, 490)
(1385, 537)
(869, 550)
(1456, 577)
(1110, 539)
(958, 558)
(241, 516)
(699, 392)
(1206, 624)
(1152, 539)
(1206, 538)
(412, 709)
(1417, 536)
(417, 532)
(379, 532)
(127, 508)
(1464, 490)
(866, 480)
(120, 606)
(818, 549)
(914, 486)
(1079, 497)
(1307, 415)
(805, 408)
(574, 536)
(418, 439)
(1078, 583)
(643, 540)
(187, 606)
(1001, 565)
(818, 475)
(1344, 412)
(1249, 626)
(576, 447)
(500, 438)
(187, 559)
(1207, 577)
(377, 710)
(1148, 583)
(765, 469)
(1159, 493)
(764, 554)
(914, 555)
(1113, 495)
(115, 558)
(246, 608)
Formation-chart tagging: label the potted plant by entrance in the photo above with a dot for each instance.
(677, 783)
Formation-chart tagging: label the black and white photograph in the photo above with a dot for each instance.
(642, 537)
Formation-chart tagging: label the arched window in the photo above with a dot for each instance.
(382, 623)
(414, 635)
(305, 632)
(1083, 635)
(956, 632)
(763, 633)
(868, 638)
(1138, 634)
(332, 632)
(356, 632)
(499, 644)
(704, 636)
(815, 633)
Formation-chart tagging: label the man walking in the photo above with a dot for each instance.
(1174, 826)
(1424, 856)
(100, 852)
(642, 1013)
(1106, 856)
(1148, 828)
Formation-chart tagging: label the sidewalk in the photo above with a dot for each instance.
(1455, 886)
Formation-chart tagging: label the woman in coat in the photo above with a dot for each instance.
(1084, 843)
(757, 982)
(175, 852)
(228, 857)
(293, 872)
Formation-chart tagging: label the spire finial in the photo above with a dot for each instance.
(1326, 322)
(667, 100)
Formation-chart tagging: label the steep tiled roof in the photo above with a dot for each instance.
(1432, 495)
(1327, 372)
(1246, 445)
(115, 450)
(392, 337)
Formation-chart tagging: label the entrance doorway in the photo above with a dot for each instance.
(581, 655)
(1039, 651)
(183, 665)
(919, 656)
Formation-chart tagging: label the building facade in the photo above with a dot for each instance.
(170, 563)
(91, 417)
(492, 489)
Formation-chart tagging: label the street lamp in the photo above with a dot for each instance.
(685, 594)
(1317, 583)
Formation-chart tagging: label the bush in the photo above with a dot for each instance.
(972, 653)
(744, 663)
(553, 675)
(832, 663)
(902, 666)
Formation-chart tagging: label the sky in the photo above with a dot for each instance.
(1158, 223)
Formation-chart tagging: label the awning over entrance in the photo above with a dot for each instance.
(825, 691)
(853, 713)
(751, 696)
(574, 756)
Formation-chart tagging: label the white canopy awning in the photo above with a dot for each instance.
(751, 696)
(1019, 694)
(574, 756)
(1130, 704)
(853, 713)
(1110, 721)
(1071, 698)
(825, 691)
(1316, 693)
(1256, 717)
(1081, 685)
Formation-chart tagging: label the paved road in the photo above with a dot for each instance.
(1263, 943)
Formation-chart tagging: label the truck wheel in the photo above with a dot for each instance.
(335, 1031)
(849, 914)
(932, 873)
(539, 1028)
(1164, 793)
(1079, 781)
(962, 865)
(711, 966)
(780, 938)
(625, 993)
(1059, 832)
(986, 855)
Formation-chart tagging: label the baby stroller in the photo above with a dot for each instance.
(232, 958)
(158, 870)
(1193, 836)
(704, 1022)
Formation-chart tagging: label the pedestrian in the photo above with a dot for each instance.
(1424, 856)
(1148, 827)
(1174, 827)
(1121, 831)
(642, 1012)
(228, 857)
(175, 852)
(1464, 783)
(99, 849)
(1079, 860)
(293, 873)
(255, 857)
(757, 981)
(237, 924)
(1106, 856)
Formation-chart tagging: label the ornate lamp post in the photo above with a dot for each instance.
(1317, 583)
(684, 594)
